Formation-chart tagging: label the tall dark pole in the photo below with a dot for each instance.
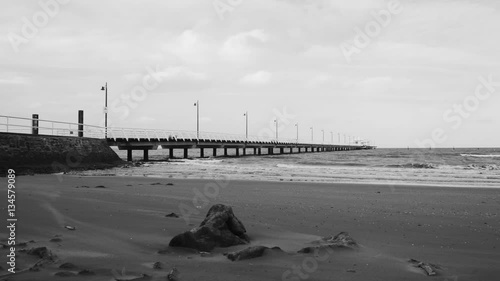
(246, 125)
(197, 104)
(105, 89)
(106, 113)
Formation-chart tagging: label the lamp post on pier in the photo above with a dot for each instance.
(297, 125)
(105, 89)
(312, 134)
(246, 124)
(323, 131)
(197, 104)
(276, 121)
(332, 136)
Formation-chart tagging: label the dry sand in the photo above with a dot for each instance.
(122, 227)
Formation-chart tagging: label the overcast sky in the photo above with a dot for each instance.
(409, 76)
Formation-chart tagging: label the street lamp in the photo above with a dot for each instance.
(105, 88)
(323, 136)
(331, 136)
(312, 135)
(246, 122)
(339, 138)
(276, 121)
(197, 104)
(297, 125)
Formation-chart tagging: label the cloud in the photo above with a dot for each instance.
(257, 78)
(146, 119)
(190, 47)
(13, 79)
(242, 46)
(181, 73)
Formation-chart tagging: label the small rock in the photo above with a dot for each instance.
(430, 269)
(170, 183)
(86, 272)
(205, 254)
(173, 275)
(41, 252)
(172, 215)
(65, 274)
(100, 186)
(69, 227)
(68, 265)
(55, 240)
(249, 253)
(341, 240)
(157, 265)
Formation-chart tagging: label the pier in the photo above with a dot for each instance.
(144, 140)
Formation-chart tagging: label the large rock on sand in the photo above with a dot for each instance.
(221, 228)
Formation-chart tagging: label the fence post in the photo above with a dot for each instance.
(80, 123)
(34, 124)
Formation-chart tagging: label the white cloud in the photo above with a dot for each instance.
(259, 77)
(190, 47)
(241, 47)
(181, 73)
(146, 119)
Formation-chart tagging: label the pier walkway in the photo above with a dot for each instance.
(144, 140)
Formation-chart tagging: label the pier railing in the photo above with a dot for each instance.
(11, 124)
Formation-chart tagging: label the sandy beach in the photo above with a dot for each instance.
(121, 229)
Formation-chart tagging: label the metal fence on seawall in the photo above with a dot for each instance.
(11, 124)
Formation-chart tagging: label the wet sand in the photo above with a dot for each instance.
(122, 228)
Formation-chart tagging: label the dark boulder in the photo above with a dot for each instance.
(220, 228)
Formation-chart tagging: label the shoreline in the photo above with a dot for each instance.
(294, 180)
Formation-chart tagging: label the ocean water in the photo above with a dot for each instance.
(459, 167)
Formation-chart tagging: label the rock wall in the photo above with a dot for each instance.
(28, 154)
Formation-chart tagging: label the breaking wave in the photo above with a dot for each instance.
(481, 155)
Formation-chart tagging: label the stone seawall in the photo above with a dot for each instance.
(28, 154)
